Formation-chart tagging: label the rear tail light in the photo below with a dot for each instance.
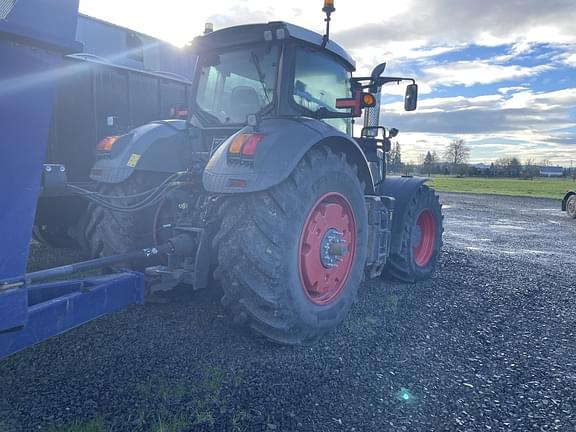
(244, 145)
(249, 147)
(235, 146)
(105, 145)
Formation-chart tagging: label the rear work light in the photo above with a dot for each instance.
(105, 145)
(244, 145)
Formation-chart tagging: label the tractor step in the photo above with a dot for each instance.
(380, 210)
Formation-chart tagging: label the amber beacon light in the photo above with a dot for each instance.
(328, 6)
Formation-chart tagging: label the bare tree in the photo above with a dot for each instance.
(530, 168)
(395, 158)
(457, 154)
(508, 167)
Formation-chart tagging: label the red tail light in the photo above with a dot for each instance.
(244, 145)
(105, 146)
(249, 147)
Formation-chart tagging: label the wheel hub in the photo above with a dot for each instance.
(332, 248)
(327, 247)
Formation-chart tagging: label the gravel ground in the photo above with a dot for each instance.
(488, 344)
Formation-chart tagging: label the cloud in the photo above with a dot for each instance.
(513, 89)
(240, 14)
(570, 59)
(487, 114)
(469, 73)
(490, 22)
(533, 124)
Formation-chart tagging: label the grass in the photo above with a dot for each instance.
(539, 187)
(4, 427)
(178, 423)
(201, 402)
(95, 425)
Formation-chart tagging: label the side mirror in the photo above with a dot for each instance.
(411, 98)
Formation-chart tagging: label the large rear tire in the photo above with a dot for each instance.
(421, 240)
(103, 232)
(56, 218)
(291, 258)
(56, 236)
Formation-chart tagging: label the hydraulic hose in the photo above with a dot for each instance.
(150, 197)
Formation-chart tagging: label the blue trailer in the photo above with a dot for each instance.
(34, 38)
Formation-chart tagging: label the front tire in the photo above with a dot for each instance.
(571, 207)
(421, 240)
(291, 258)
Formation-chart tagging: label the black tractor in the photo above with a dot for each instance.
(266, 188)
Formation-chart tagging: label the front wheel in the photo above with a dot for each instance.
(291, 258)
(421, 239)
(571, 207)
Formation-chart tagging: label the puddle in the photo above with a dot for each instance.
(508, 227)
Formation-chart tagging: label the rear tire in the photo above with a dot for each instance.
(104, 232)
(421, 238)
(55, 236)
(571, 207)
(269, 251)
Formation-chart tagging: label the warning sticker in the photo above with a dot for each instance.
(133, 160)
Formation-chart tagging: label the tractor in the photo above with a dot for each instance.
(264, 189)
(569, 204)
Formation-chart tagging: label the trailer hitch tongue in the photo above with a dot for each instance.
(178, 245)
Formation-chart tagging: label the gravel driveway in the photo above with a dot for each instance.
(488, 344)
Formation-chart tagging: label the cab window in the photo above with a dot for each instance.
(318, 81)
(235, 84)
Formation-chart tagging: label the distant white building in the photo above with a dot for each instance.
(552, 171)
(481, 166)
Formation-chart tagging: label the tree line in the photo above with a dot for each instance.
(454, 161)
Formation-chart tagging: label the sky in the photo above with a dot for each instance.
(500, 74)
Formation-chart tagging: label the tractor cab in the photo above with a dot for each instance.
(252, 72)
(268, 70)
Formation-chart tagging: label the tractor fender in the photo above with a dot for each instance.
(162, 146)
(566, 198)
(402, 189)
(285, 142)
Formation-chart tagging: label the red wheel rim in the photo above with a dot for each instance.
(326, 249)
(426, 233)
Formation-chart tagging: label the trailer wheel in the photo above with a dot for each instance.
(421, 238)
(571, 207)
(103, 232)
(290, 259)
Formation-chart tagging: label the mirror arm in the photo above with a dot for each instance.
(323, 113)
(379, 82)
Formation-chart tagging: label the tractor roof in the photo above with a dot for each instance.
(251, 33)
